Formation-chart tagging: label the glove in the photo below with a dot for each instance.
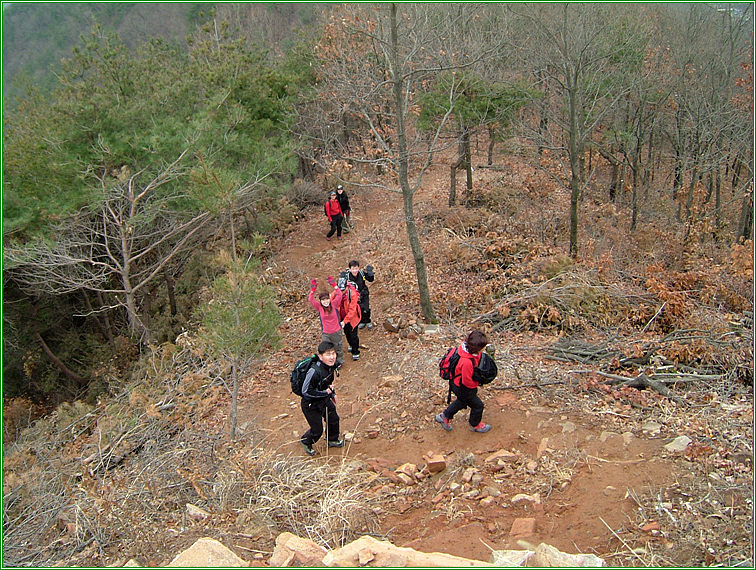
(313, 284)
(331, 282)
(369, 268)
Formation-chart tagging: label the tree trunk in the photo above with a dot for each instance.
(745, 228)
(491, 142)
(100, 320)
(417, 252)
(453, 185)
(574, 149)
(468, 162)
(234, 398)
(67, 372)
(171, 285)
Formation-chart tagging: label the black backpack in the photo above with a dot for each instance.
(299, 373)
(486, 370)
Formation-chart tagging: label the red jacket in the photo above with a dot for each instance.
(350, 309)
(333, 208)
(464, 370)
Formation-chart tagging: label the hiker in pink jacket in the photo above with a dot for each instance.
(330, 322)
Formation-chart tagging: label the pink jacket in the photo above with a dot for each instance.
(329, 321)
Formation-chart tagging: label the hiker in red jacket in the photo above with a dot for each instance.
(350, 314)
(335, 216)
(327, 305)
(465, 387)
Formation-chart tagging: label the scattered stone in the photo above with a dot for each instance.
(196, 513)
(628, 437)
(568, 427)
(651, 428)
(678, 444)
(207, 553)
(523, 498)
(650, 527)
(348, 436)
(549, 557)
(391, 324)
(368, 551)
(531, 466)
(454, 487)
(132, 564)
(542, 447)
(523, 527)
(292, 550)
(436, 463)
(406, 479)
(502, 455)
(510, 558)
(468, 474)
(431, 329)
(491, 491)
(487, 501)
(472, 494)
(409, 469)
(476, 480)
(605, 435)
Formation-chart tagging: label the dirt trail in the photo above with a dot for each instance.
(583, 468)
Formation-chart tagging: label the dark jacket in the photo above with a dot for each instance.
(360, 280)
(319, 377)
(343, 201)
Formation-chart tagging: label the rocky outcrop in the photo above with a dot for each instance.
(368, 551)
(292, 550)
(207, 553)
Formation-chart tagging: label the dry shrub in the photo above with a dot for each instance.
(324, 501)
(305, 193)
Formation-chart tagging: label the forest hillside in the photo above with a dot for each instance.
(574, 181)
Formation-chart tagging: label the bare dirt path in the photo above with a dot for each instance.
(583, 469)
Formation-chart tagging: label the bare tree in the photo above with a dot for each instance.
(376, 62)
(116, 246)
(577, 51)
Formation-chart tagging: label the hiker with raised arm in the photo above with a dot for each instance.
(327, 305)
(360, 279)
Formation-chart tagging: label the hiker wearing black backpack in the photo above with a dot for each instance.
(360, 279)
(467, 367)
(312, 379)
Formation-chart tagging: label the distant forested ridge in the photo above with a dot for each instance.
(37, 36)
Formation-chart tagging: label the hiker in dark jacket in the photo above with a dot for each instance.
(465, 387)
(319, 400)
(335, 216)
(360, 279)
(343, 199)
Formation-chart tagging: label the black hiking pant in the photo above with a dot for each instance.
(315, 411)
(335, 226)
(352, 338)
(364, 304)
(466, 398)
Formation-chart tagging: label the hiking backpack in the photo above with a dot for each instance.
(299, 373)
(483, 373)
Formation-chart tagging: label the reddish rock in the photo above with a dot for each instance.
(523, 527)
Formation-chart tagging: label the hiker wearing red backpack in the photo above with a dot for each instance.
(351, 314)
(327, 307)
(464, 385)
(335, 216)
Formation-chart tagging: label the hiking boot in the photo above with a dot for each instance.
(446, 424)
(308, 449)
(337, 443)
(481, 427)
(328, 239)
(355, 357)
(361, 326)
(349, 349)
(370, 326)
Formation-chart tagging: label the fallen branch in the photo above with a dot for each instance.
(536, 385)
